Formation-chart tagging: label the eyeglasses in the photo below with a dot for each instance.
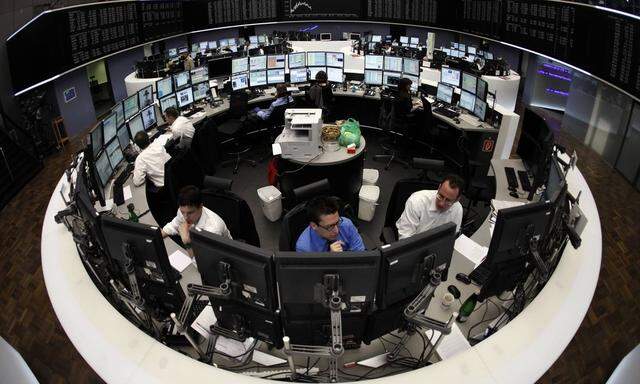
(331, 227)
(446, 201)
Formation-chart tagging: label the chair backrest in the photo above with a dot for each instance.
(293, 223)
(180, 171)
(428, 113)
(204, 147)
(402, 190)
(235, 213)
(238, 104)
(385, 111)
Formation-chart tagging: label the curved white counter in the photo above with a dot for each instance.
(518, 353)
(134, 84)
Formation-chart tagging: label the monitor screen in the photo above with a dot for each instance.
(480, 109)
(390, 79)
(415, 81)
(136, 125)
(444, 93)
(471, 50)
(469, 82)
(239, 81)
(253, 39)
(373, 62)
(213, 45)
(313, 71)
(181, 80)
(298, 75)
(316, 59)
(481, 89)
(103, 167)
(145, 96)
(96, 139)
(462, 48)
(325, 36)
(130, 105)
(239, 65)
(415, 41)
(258, 63)
(200, 91)
(109, 127)
(173, 52)
(488, 55)
(257, 78)
(454, 45)
(164, 87)
(334, 75)
(123, 136)
(149, 116)
(114, 151)
(297, 60)
(204, 45)
(450, 76)
(182, 50)
(119, 111)
(392, 63)
(404, 40)
(262, 39)
(467, 100)
(169, 101)
(335, 59)
(376, 38)
(276, 61)
(200, 74)
(195, 47)
(184, 97)
(447, 51)
(275, 76)
(223, 43)
(354, 36)
(231, 42)
(411, 66)
(372, 77)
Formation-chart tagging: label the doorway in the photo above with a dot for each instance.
(100, 87)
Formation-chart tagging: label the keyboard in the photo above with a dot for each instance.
(512, 179)
(118, 191)
(446, 112)
(480, 275)
(524, 180)
(193, 112)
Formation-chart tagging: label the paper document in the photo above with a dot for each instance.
(497, 205)
(277, 149)
(233, 347)
(470, 249)
(126, 192)
(451, 344)
(179, 260)
(204, 321)
(267, 359)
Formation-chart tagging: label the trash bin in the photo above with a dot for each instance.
(271, 201)
(370, 176)
(369, 195)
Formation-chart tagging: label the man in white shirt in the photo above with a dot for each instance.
(429, 209)
(150, 162)
(191, 213)
(181, 127)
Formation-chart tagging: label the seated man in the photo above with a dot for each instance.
(320, 94)
(191, 212)
(150, 162)
(428, 209)
(282, 98)
(180, 127)
(327, 231)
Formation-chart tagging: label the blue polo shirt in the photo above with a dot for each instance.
(310, 241)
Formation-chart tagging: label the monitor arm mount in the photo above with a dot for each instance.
(528, 245)
(195, 291)
(328, 294)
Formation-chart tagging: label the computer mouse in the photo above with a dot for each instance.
(464, 279)
(454, 291)
(514, 194)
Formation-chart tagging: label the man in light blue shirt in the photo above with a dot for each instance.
(282, 98)
(327, 231)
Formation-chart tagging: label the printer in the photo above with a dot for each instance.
(300, 138)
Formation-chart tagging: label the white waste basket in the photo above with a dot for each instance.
(369, 195)
(370, 176)
(271, 201)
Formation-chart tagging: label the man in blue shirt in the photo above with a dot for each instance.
(282, 98)
(327, 231)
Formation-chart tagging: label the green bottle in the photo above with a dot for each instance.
(467, 307)
(133, 217)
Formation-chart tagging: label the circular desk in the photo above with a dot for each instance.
(133, 84)
(520, 352)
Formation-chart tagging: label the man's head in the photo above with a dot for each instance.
(404, 85)
(449, 192)
(321, 77)
(171, 114)
(323, 217)
(281, 90)
(141, 139)
(190, 203)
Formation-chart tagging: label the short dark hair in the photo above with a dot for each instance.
(172, 111)
(322, 76)
(321, 205)
(404, 84)
(455, 182)
(189, 196)
(141, 139)
(281, 90)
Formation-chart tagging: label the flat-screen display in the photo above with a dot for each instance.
(415, 41)
(262, 39)
(181, 80)
(123, 136)
(213, 45)
(136, 125)
(169, 101)
(109, 127)
(325, 37)
(313, 71)
(103, 167)
(480, 109)
(130, 105)
(276, 61)
(335, 59)
(390, 79)
(253, 39)
(334, 75)
(404, 40)
(450, 76)
(239, 65)
(257, 78)
(164, 87)
(149, 116)
(471, 50)
(469, 82)
(239, 81)
(203, 46)
(482, 89)
(173, 52)
(316, 59)
(372, 77)
(200, 74)
(119, 111)
(467, 100)
(376, 38)
(415, 81)
(297, 60)
(184, 97)
(96, 139)
(392, 63)
(411, 67)
(275, 76)
(444, 93)
(258, 63)
(200, 91)
(114, 151)
(298, 75)
(145, 96)
(374, 62)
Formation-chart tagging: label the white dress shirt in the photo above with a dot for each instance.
(182, 128)
(421, 214)
(150, 162)
(209, 221)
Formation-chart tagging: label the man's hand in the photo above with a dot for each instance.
(184, 233)
(336, 246)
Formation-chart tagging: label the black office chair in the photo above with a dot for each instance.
(394, 126)
(234, 128)
(205, 147)
(273, 127)
(180, 171)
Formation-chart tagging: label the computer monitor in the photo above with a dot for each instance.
(258, 78)
(406, 264)
(404, 40)
(469, 82)
(114, 152)
(123, 136)
(173, 52)
(199, 75)
(164, 87)
(298, 75)
(316, 59)
(556, 181)
(220, 67)
(103, 168)
(262, 39)
(130, 106)
(119, 111)
(411, 67)
(169, 101)
(488, 55)
(301, 278)
(313, 71)
(203, 46)
(135, 125)
(96, 140)
(471, 50)
(444, 93)
(372, 77)
(335, 75)
(480, 109)
(297, 60)
(393, 64)
(447, 51)
(482, 88)
(182, 80)
(391, 79)
(200, 91)
(223, 43)
(184, 97)
(157, 281)
(258, 63)
(376, 38)
(275, 76)
(535, 146)
(276, 61)
(467, 100)
(462, 48)
(454, 45)
(148, 115)
(253, 39)
(109, 127)
(414, 40)
(145, 96)
(239, 81)
(213, 45)
(374, 62)
(239, 65)
(182, 50)
(415, 81)
(325, 37)
(450, 76)
(195, 47)
(335, 59)
(354, 36)
(372, 46)
(232, 42)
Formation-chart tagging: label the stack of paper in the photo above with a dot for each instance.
(470, 249)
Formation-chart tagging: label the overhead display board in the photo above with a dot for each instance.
(596, 40)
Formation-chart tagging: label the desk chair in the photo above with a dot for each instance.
(273, 126)
(479, 187)
(392, 125)
(205, 147)
(234, 128)
(180, 171)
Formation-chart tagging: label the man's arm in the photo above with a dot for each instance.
(139, 172)
(355, 240)
(408, 222)
(172, 227)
